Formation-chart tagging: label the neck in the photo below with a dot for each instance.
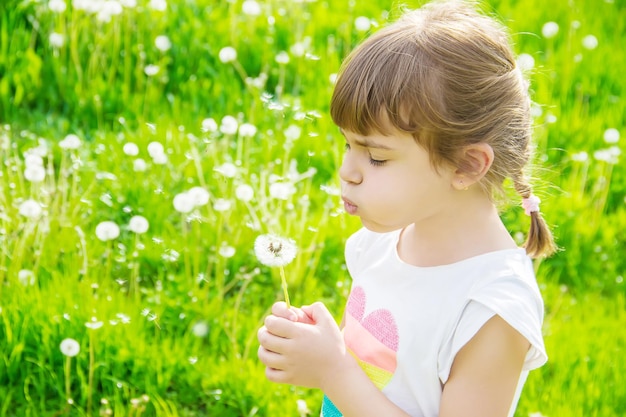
(470, 228)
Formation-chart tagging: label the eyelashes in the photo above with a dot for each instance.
(372, 161)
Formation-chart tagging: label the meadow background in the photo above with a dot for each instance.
(145, 144)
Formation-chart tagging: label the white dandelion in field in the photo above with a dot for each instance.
(160, 159)
(229, 125)
(303, 409)
(227, 169)
(581, 156)
(138, 224)
(130, 149)
(184, 202)
(293, 132)
(611, 135)
(94, 324)
(525, 62)
(34, 173)
(163, 43)
(228, 54)
(244, 192)
(226, 251)
(550, 30)
(158, 5)
(26, 277)
(155, 148)
(151, 70)
(332, 78)
(107, 230)
(590, 42)
(282, 190)
(199, 195)
(272, 250)
(251, 8)
(57, 6)
(209, 125)
(222, 204)
(362, 24)
(609, 155)
(247, 130)
(57, 40)
(129, 4)
(200, 329)
(30, 208)
(282, 58)
(139, 165)
(69, 347)
(70, 142)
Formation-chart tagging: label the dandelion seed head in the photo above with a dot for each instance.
(282, 58)
(303, 409)
(107, 230)
(139, 165)
(272, 250)
(550, 30)
(138, 224)
(228, 54)
(227, 169)
(227, 251)
(34, 173)
(282, 190)
(200, 329)
(222, 204)
(229, 125)
(611, 135)
(581, 156)
(130, 149)
(251, 8)
(362, 24)
(160, 159)
(155, 148)
(590, 42)
(26, 277)
(525, 62)
(209, 125)
(69, 347)
(31, 159)
(184, 202)
(70, 142)
(30, 208)
(199, 195)
(193, 360)
(293, 132)
(244, 192)
(57, 6)
(158, 5)
(57, 40)
(247, 130)
(163, 43)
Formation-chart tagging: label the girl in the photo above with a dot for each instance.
(444, 316)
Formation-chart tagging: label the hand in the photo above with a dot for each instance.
(302, 346)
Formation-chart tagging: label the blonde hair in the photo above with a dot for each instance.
(446, 74)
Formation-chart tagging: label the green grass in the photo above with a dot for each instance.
(153, 291)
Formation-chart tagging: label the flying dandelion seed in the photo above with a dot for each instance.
(138, 224)
(228, 54)
(94, 324)
(70, 142)
(272, 250)
(69, 347)
(107, 230)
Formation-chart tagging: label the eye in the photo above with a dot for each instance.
(376, 162)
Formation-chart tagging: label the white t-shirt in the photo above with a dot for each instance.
(405, 324)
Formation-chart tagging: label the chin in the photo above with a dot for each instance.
(379, 228)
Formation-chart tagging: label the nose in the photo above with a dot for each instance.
(349, 171)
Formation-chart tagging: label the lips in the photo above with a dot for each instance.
(349, 206)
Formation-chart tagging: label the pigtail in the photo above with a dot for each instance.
(539, 241)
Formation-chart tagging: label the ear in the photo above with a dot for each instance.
(474, 162)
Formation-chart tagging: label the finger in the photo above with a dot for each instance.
(270, 341)
(280, 309)
(279, 326)
(276, 375)
(270, 359)
(318, 313)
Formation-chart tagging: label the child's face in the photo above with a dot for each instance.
(389, 182)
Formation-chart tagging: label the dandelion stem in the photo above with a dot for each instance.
(284, 284)
(68, 369)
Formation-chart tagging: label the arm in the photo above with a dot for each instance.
(485, 373)
(307, 348)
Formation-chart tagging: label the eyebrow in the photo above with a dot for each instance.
(366, 143)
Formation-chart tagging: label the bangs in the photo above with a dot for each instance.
(382, 85)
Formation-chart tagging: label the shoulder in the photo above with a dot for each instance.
(364, 240)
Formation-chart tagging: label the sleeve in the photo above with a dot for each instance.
(511, 298)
